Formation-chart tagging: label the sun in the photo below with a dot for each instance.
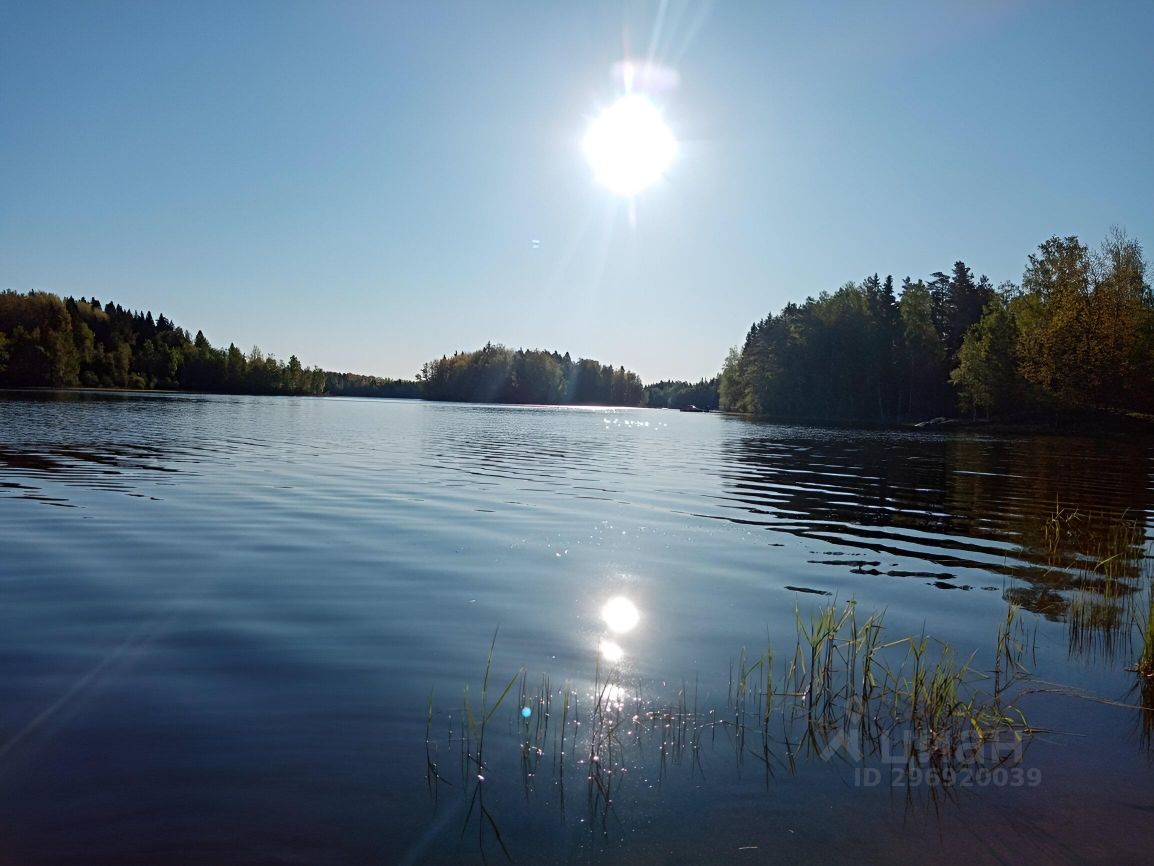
(629, 146)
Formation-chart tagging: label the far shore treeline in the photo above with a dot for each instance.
(1077, 334)
(49, 342)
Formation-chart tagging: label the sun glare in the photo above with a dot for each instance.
(629, 146)
(620, 614)
(611, 652)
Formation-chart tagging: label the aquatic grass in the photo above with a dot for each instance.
(1110, 609)
(476, 726)
(1144, 671)
(844, 682)
(1099, 562)
(849, 692)
(433, 777)
(1012, 645)
(1059, 528)
(1101, 544)
(1145, 664)
(1097, 627)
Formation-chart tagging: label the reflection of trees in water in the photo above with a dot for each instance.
(530, 446)
(1064, 515)
(101, 466)
(1059, 500)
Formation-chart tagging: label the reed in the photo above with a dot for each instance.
(848, 692)
(474, 759)
(1110, 608)
(1145, 664)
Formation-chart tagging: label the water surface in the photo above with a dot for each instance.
(222, 618)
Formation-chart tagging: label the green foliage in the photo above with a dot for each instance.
(730, 386)
(357, 385)
(496, 374)
(838, 356)
(680, 395)
(1057, 351)
(1086, 323)
(1078, 334)
(922, 352)
(986, 377)
(49, 342)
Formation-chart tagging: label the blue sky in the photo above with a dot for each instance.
(361, 183)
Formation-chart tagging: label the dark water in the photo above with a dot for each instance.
(221, 619)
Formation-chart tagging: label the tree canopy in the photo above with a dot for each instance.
(1078, 333)
(49, 342)
(680, 395)
(497, 374)
(46, 341)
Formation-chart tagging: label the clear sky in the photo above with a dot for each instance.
(362, 183)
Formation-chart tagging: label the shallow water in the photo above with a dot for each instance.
(222, 618)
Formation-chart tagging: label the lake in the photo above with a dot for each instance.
(241, 630)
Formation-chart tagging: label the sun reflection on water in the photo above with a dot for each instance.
(620, 614)
(610, 651)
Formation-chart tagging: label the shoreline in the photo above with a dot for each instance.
(1104, 422)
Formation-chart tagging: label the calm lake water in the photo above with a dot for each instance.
(222, 619)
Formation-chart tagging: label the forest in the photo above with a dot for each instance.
(46, 341)
(1077, 334)
(680, 395)
(358, 385)
(49, 342)
(496, 374)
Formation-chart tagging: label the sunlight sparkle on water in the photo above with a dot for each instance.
(611, 652)
(614, 695)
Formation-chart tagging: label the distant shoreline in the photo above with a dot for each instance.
(1075, 423)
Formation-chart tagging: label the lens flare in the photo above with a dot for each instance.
(629, 146)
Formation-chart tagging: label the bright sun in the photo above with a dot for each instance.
(629, 146)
